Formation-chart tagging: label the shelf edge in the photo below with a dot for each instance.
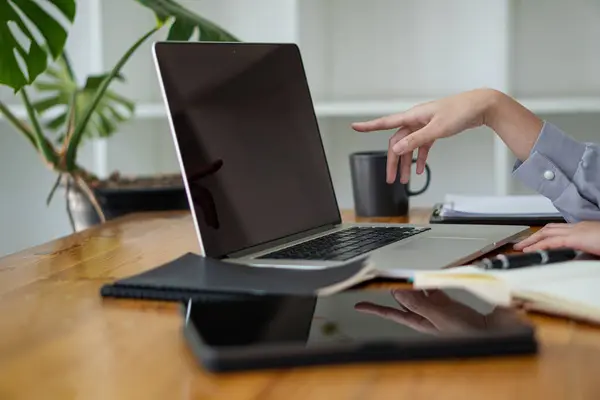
(550, 105)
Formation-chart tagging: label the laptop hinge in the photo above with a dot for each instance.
(281, 241)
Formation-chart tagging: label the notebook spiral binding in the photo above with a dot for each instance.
(180, 295)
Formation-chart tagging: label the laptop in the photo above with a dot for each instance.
(256, 173)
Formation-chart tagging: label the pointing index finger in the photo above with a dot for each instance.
(379, 124)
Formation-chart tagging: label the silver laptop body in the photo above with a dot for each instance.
(256, 174)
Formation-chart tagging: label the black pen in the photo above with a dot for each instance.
(520, 260)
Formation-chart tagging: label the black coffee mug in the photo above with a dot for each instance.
(373, 196)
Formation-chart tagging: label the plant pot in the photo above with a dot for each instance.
(119, 201)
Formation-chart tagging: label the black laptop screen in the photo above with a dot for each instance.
(249, 141)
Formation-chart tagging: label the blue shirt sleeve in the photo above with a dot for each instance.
(565, 171)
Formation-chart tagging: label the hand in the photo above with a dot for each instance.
(422, 125)
(583, 236)
(434, 312)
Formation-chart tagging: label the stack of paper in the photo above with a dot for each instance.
(498, 206)
(568, 289)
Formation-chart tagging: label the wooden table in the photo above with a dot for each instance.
(61, 340)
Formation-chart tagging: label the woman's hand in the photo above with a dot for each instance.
(583, 236)
(420, 126)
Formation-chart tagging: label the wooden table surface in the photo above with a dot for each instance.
(61, 340)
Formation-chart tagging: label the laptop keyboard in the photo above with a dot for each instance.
(345, 244)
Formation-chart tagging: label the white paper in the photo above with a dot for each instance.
(520, 205)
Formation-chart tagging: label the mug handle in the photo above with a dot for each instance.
(427, 180)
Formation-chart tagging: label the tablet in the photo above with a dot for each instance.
(268, 331)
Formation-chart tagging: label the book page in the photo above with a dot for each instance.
(568, 284)
(571, 285)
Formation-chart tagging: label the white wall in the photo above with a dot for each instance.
(391, 51)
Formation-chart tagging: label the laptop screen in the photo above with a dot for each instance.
(249, 142)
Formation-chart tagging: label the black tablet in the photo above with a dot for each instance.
(353, 326)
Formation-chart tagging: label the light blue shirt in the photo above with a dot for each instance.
(565, 171)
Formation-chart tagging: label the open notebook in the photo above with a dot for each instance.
(570, 289)
(531, 209)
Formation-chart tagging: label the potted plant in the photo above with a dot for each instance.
(68, 114)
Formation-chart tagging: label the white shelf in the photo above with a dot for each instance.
(562, 105)
(21, 113)
(358, 108)
(370, 108)
(154, 110)
(550, 105)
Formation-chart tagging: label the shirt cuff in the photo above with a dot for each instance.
(552, 163)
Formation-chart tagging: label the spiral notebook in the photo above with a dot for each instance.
(193, 276)
(532, 210)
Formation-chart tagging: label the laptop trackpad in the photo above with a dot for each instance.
(429, 252)
(443, 245)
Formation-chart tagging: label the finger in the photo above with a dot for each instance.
(543, 233)
(427, 134)
(422, 157)
(546, 231)
(392, 165)
(382, 123)
(553, 242)
(417, 300)
(407, 318)
(559, 225)
(393, 158)
(381, 311)
(405, 166)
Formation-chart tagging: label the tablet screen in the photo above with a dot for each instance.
(362, 315)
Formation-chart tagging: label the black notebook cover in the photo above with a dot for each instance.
(194, 276)
(438, 218)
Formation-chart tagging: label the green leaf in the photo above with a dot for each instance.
(116, 115)
(130, 105)
(94, 82)
(186, 22)
(43, 105)
(42, 37)
(66, 7)
(162, 14)
(99, 95)
(60, 87)
(181, 29)
(57, 123)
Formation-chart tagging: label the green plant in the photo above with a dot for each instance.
(33, 34)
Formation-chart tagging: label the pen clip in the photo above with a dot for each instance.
(544, 255)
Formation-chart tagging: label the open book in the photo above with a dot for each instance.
(570, 289)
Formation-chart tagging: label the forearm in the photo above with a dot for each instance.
(518, 127)
(549, 161)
